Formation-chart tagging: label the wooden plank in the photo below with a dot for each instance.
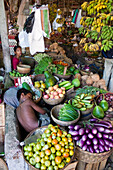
(102, 164)
(4, 38)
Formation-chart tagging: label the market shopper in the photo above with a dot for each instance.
(27, 112)
(16, 59)
(108, 69)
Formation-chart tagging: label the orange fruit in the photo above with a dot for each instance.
(47, 152)
(54, 141)
(65, 154)
(59, 133)
(57, 146)
(64, 139)
(58, 159)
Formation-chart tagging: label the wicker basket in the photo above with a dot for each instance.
(84, 72)
(88, 157)
(39, 131)
(53, 101)
(54, 114)
(63, 76)
(24, 69)
(85, 115)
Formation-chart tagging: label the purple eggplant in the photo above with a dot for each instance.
(107, 142)
(88, 142)
(107, 131)
(81, 131)
(107, 123)
(93, 120)
(110, 137)
(87, 130)
(84, 148)
(77, 127)
(94, 131)
(88, 126)
(81, 143)
(90, 136)
(95, 141)
(99, 135)
(77, 142)
(106, 147)
(71, 126)
(91, 149)
(87, 149)
(84, 137)
(111, 144)
(95, 146)
(105, 136)
(101, 125)
(101, 141)
(97, 151)
(111, 130)
(76, 137)
(100, 129)
(73, 132)
(101, 148)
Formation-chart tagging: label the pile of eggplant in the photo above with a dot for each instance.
(93, 136)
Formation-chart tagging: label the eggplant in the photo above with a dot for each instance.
(90, 136)
(111, 144)
(99, 135)
(97, 151)
(107, 123)
(101, 141)
(77, 127)
(87, 130)
(71, 126)
(111, 130)
(81, 143)
(101, 148)
(91, 149)
(93, 120)
(84, 137)
(107, 131)
(81, 131)
(76, 137)
(107, 142)
(95, 146)
(95, 141)
(106, 147)
(88, 126)
(101, 125)
(88, 142)
(94, 131)
(84, 148)
(73, 132)
(105, 136)
(110, 137)
(100, 129)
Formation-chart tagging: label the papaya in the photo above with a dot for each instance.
(98, 112)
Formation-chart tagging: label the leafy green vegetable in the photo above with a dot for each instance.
(89, 90)
(39, 56)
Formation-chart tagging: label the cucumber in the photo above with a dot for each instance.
(63, 83)
(65, 119)
(69, 87)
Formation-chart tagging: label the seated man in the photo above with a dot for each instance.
(26, 111)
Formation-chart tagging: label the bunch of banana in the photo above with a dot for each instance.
(94, 47)
(100, 6)
(86, 47)
(59, 29)
(52, 12)
(93, 35)
(60, 20)
(82, 41)
(107, 45)
(84, 6)
(98, 29)
(89, 21)
(99, 43)
(110, 6)
(107, 32)
(82, 30)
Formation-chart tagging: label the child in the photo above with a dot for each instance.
(26, 111)
(16, 58)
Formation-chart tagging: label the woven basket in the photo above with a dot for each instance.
(40, 130)
(53, 101)
(55, 113)
(84, 72)
(24, 69)
(63, 76)
(85, 115)
(88, 157)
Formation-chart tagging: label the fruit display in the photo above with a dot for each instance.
(68, 113)
(93, 136)
(15, 73)
(52, 151)
(82, 102)
(66, 84)
(54, 92)
(97, 25)
(40, 84)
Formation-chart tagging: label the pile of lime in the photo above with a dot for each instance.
(52, 151)
(15, 73)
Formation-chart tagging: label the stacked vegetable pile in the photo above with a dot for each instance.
(54, 92)
(52, 151)
(15, 73)
(93, 136)
(82, 102)
(68, 113)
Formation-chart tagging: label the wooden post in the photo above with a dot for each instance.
(4, 38)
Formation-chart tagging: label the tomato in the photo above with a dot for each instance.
(54, 141)
(30, 154)
(59, 133)
(55, 167)
(68, 159)
(47, 131)
(49, 140)
(53, 163)
(71, 152)
(43, 167)
(65, 139)
(71, 147)
(66, 150)
(57, 146)
(47, 152)
(62, 150)
(43, 160)
(58, 138)
(58, 153)
(65, 154)
(46, 157)
(42, 154)
(52, 128)
(70, 139)
(53, 134)
(61, 143)
(58, 159)
(53, 150)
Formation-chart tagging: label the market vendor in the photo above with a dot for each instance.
(108, 69)
(27, 111)
(16, 59)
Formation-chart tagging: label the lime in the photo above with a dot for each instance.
(26, 153)
(37, 158)
(43, 167)
(52, 156)
(37, 165)
(55, 167)
(38, 146)
(53, 163)
(47, 163)
(58, 153)
(50, 168)
(53, 150)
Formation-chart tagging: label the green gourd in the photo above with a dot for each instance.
(98, 112)
(104, 104)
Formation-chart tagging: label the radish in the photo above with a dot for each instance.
(55, 87)
(46, 96)
(50, 88)
(55, 93)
